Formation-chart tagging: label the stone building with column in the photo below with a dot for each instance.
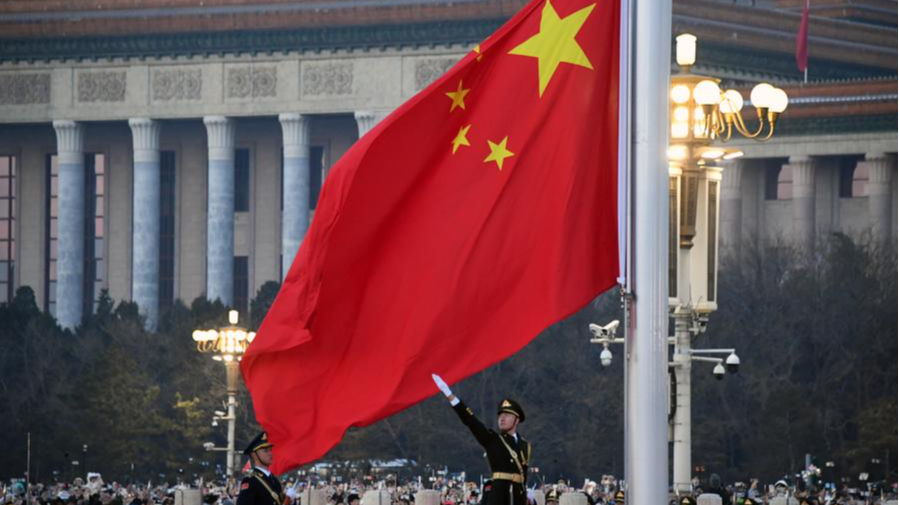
(174, 149)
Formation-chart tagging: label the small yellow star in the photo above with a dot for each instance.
(555, 43)
(498, 152)
(460, 139)
(458, 97)
(477, 50)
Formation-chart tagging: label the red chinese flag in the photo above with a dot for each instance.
(477, 214)
(802, 40)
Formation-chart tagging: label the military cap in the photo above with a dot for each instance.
(619, 496)
(260, 442)
(749, 501)
(687, 500)
(511, 407)
(552, 495)
(352, 497)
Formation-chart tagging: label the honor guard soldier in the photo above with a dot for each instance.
(259, 486)
(507, 452)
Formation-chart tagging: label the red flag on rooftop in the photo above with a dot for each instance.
(802, 40)
(477, 214)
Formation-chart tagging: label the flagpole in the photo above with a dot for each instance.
(646, 435)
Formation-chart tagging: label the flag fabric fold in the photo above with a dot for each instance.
(481, 211)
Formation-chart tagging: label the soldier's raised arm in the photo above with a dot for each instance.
(477, 428)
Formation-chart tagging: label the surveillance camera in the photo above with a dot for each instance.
(701, 324)
(215, 423)
(732, 363)
(208, 446)
(219, 413)
(605, 331)
(719, 371)
(605, 357)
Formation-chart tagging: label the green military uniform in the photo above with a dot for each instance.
(259, 486)
(507, 455)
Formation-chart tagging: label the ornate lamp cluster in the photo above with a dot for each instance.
(228, 343)
(701, 110)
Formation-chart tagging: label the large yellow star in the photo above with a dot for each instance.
(460, 139)
(458, 97)
(498, 152)
(555, 43)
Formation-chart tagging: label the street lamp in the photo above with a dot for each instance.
(227, 345)
(702, 118)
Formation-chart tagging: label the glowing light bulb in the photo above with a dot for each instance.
(732, 102)
(680, 94)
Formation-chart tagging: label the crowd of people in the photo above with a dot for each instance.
(452, 491)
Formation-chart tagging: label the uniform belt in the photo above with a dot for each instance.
(514, 477)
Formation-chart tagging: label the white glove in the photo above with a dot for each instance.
(441, 385)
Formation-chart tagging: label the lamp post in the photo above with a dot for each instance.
(702, 118)
(227, 345)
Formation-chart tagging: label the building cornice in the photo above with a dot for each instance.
(247, 42)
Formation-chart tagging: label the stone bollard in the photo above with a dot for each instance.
(782, 500)
(375, 497)
(313, 497)
(427, 497)
(540, 497)
(188, 497)
(708, 499)
(573, 499)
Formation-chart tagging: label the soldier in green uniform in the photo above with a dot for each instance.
(508, 453)
(260, 486)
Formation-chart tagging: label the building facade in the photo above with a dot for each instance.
(171, 151)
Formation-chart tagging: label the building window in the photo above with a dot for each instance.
(166, 229)
(316, 174)
(242, 180)
(94, 229)
(779, 182)
(853, 178)
(7, 227)
(94, 200)
(241, 283)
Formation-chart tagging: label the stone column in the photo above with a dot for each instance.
(880, 175)
(803, 200)
(220, 210)
(295, 192)
(70, 224)
(731, 219)
(367, 119)
(145, 230)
